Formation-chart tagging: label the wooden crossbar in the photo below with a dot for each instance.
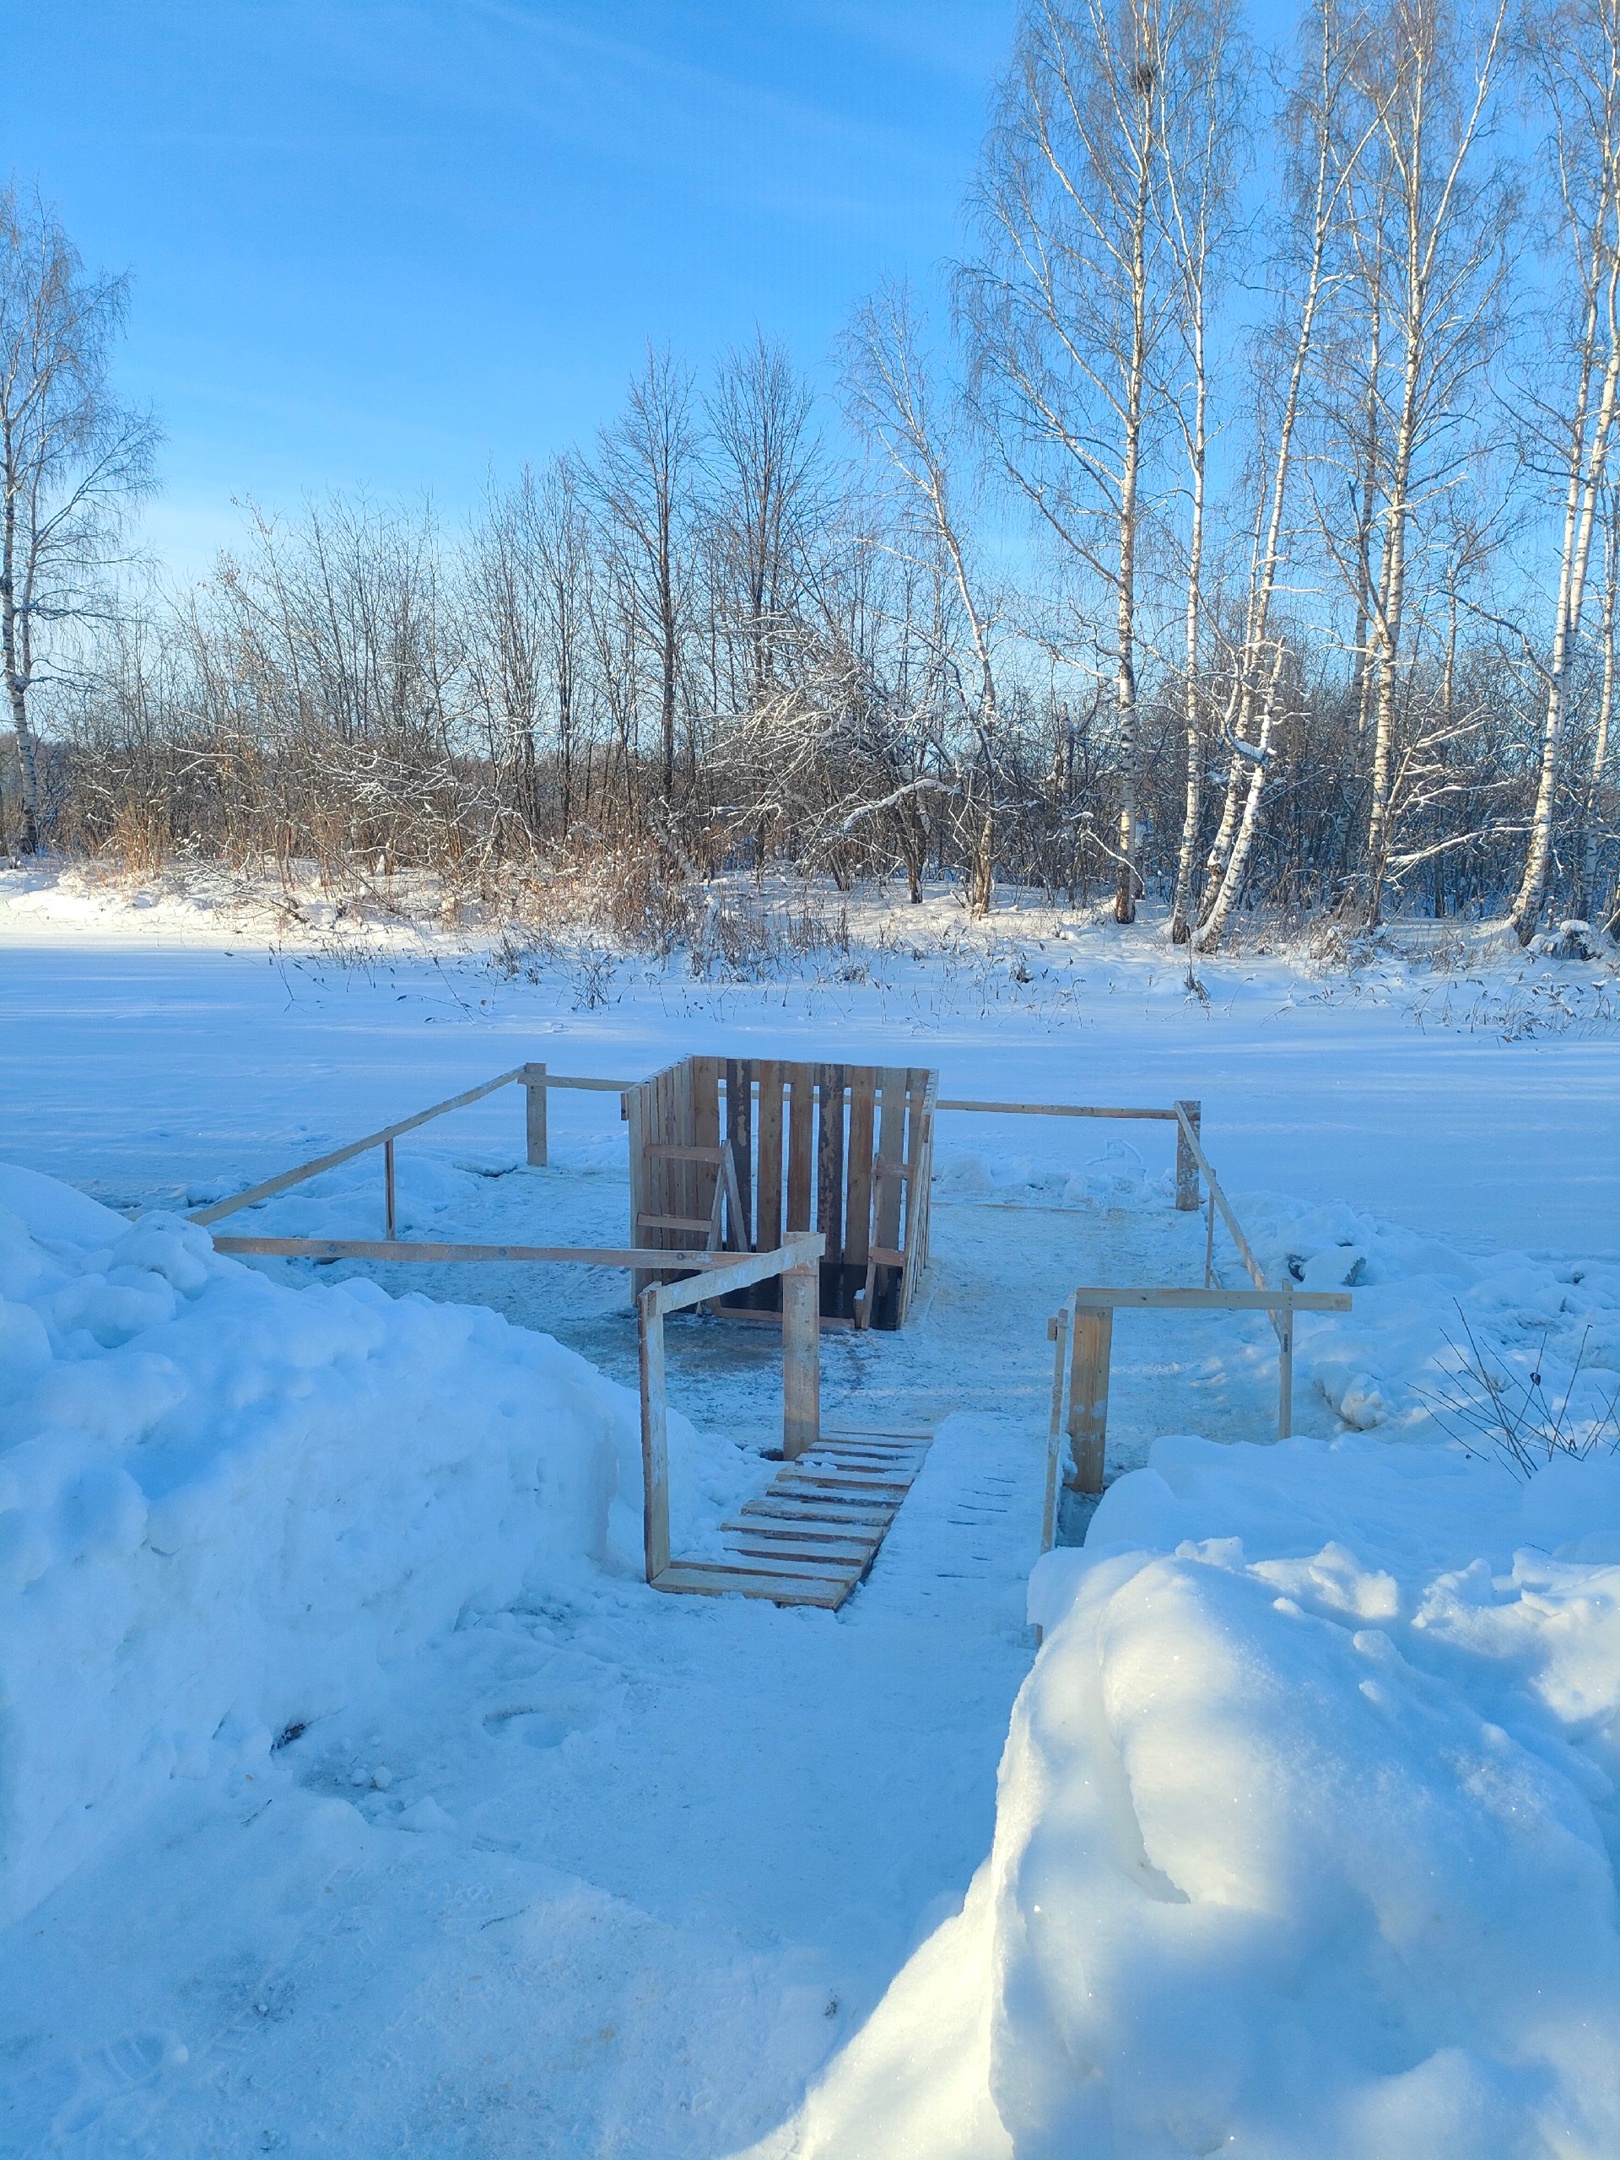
(1050, 1109)
(607, 1256)
(1287, 1299)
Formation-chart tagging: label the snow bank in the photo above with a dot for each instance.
(224, 1502)
(1306, 1833)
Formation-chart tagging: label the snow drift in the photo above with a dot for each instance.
(224, 1502)
(1306, 1833)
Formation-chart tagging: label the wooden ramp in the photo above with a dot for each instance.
(810, 1538)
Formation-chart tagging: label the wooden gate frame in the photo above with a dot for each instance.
(796, 1263)
(1083, 1330)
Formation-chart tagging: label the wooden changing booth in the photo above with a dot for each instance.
(742, 1152)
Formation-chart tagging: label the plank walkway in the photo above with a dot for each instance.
(812, 1535)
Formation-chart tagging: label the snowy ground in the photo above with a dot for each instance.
(665, 1856)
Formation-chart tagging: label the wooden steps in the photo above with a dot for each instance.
(810, 1537)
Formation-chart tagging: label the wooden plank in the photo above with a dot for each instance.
(412, 1249)
(858, 1182)
(879, 1432)
(801, 1356)
(830, 1161)
(739, 1138)
(683, 1175)
(1088, 1398)
(1285, 1376)
(1189, 1118)
(1154, 1297)
(1057, 1329)
(768, 1200)
(802, 1590)
(699, 1223)
(786, 1507)
(801, 1135)
(846, 1484)
(534, 1082)
(783, 1535)
(686, 1154)
(634, 1106)
(735, 1564)
(725, 1272)
(891, 1148)
(1051, 1109)
(390, 1209)
(654, 1436)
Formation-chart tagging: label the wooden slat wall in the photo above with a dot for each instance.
(806, 1152)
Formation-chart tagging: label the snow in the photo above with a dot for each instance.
(559, 1866)
(1305, 1832)
(225, 1505)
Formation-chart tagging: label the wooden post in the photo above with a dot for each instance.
(388, 1190)
(1285, 1373)
(1209, 1241)
(801, 1360)
(534, 1083)
(1187, 1161)
(654, 1435)
(1057, 1331)
(1088, 1395)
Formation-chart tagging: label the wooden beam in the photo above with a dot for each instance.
(613, 1256)
(1154, 1297)
(1048, 1109)
(654, 1435)
(534, 1083)
(1189, 1117)
(1088, 1396)
(735, 1271)
(801, 1356)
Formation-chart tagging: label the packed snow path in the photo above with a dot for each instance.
(611, 1877)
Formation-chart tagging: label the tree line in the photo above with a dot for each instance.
(1244, 531)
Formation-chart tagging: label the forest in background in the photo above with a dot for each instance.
(1241, 534)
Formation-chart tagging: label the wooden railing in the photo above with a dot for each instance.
(797, 1260)
(533, 1078)
(1083, 1330)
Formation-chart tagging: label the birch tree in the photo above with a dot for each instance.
(1200, 148)
(72, 461)
(1572, 52)
(1325, 141)
(893, 400)
(1067, 304)
(1430, 232)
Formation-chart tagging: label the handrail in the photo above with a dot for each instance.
(271, 1186)
(621, 1256)
(1154, 1296)
(1217, 1198)
(1047, 1109)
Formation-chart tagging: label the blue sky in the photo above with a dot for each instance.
(393, 242)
